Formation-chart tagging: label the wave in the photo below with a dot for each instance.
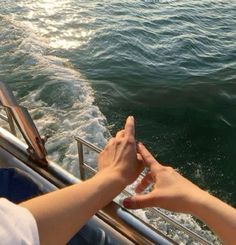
(59, 98)
(159, 1)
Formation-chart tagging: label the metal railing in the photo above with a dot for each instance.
(83, 166)
(8, 119)
(19, 115)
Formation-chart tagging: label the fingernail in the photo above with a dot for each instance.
(131, 117)
(126, 203)
(140, 143)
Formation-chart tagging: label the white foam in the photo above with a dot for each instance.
(80, 117)
(154, 219)
(63, 105)
(84, 120)
(159, 1)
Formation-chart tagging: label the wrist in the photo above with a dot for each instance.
(113, 177)
(200, 203)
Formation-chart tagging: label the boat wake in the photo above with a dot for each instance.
(60, 100)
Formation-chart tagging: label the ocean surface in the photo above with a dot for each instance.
(81, 67)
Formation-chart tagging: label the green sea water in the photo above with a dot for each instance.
(82, 67)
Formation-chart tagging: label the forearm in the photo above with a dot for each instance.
(61, 213)
(219, 216)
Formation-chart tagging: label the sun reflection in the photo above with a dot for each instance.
(61, 22)
(51, 6)
(71, 39)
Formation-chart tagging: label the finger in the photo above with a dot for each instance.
(110, 142)
(140, 162)
(148, 159)
(120, 134)
(144, 183)
(139, 159)
(129, 127)
(139, 201)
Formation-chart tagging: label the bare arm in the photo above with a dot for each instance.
(219, 216)
(60, 214)
(174, 192)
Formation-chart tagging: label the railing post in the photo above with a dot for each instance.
(165, 217)
(10, 122)
(81, 160)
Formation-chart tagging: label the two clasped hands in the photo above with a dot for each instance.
(60, 214)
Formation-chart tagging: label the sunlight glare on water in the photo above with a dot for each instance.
(81, 67)
(47, 18)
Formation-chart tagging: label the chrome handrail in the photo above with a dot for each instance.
(8, 119)
(83, 166)
(54, 174)
(4, 118)
(36, 150)
(60, 178)
(21, 117)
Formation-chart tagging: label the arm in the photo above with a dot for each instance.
(174, 192)
(219, 216)
(60, 214)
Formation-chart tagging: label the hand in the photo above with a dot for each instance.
(120, 157)
(170, 191)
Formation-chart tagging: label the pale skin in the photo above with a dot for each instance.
(60, 214)
(174, 192)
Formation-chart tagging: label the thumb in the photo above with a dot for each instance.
(139, 201)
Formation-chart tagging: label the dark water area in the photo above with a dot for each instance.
(170, 64)
(174, 68)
